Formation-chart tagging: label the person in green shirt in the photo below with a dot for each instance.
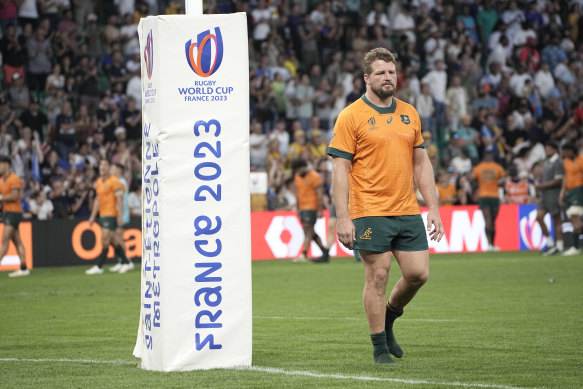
(486, 19)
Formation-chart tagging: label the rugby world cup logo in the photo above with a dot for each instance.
(206, 54)
(149, 55)
(531, 236)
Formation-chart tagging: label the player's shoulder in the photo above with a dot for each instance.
(13, 179)
(402, 105)
(405, 110)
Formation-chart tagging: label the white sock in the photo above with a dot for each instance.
(560, 245)
(550, 241)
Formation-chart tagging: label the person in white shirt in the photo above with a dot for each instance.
(28, 10)
(134, 88)
(404, 24)
(258, 146)
(129, 34)
(501, 50)
(513, 17)
(281, 135)
(457, 102)
(524, 32)
(437, 81)
(518, 79)
(462, 164)
(562, 72)
(125, 7)
(377, 12)
(261, 17)
(40, 206)
(521, 114)
(318, 14)
(291, 110)
(425, 108)
(434, 49)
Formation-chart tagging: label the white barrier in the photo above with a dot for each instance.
(196, 268)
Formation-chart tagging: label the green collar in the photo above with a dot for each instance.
(381, 110)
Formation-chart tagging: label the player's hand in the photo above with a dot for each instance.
(561, 201)
(434, 225)
(90, 221)
(119, 221)
(346, 232)
(319, 213)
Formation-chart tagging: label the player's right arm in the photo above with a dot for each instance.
(94, 210)
(344, 226)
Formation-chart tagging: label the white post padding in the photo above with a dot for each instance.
(196, 254)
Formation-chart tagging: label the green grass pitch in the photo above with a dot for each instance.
(482, 320)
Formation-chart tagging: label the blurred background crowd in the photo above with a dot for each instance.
(501, 76)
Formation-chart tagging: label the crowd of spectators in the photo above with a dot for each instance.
(483, 75)
(501, 76)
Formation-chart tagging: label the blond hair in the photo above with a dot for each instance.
(376, 54)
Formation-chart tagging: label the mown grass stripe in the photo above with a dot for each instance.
(347, 318)
(271, 370)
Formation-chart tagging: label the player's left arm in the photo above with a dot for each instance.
(501, 177)
(13, 196)
(321, 203)
(15, 187)
(423, 174)
(119, 205)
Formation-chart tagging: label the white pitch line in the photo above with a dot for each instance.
(271, 370)
(380, 379)
(345, 318)
(92, 361)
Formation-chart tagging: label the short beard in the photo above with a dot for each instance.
(383, 94)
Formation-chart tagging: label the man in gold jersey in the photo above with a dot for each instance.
(571, 194)
(109, 204)
(489, 174)
(378, 151)
(10, 194)
(310, 194)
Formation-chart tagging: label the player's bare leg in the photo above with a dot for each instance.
(19, 246)
(118, 237)
(331, 233)
(119, 247)
(415, 272)
(552, 243)
(376, 273)
(558, 232)
(6, 237)
(308, 234)
(11, 234)
(106, 239)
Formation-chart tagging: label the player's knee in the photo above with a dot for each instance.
(418, 278)
(380, 277)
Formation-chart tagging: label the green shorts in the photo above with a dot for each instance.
(12, 219)
(491, 203)
(108, 223)
(383, 234)
(574, 197)
(308, 217)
